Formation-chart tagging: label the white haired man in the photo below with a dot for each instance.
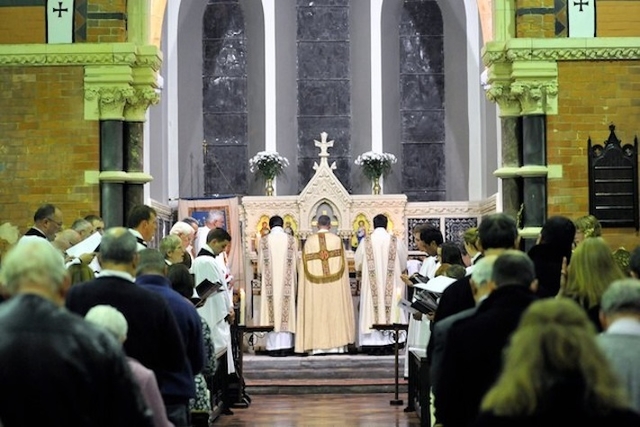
(55, 365)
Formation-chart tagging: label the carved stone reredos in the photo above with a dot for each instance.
(324, 187)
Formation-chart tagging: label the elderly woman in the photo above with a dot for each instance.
(172, 250)
(186, 233)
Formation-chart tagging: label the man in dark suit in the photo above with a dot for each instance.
(154, 338)
(496, 233)
(47, 221)
(57, 369)
(143, 223)
(473, 350)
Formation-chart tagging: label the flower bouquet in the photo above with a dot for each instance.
(269, 164)
(374, 165)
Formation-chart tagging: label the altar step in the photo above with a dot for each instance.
(322, 374)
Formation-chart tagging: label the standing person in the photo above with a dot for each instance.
(382, 258)
(325, 319)
(113, 321)
(419, 331)
(554, 244)
(180, 386)
(47, 221)
(277, 265)
(620, 316)
(143, 223)
(554, 375)
(473, 347)
(96, 222)
(218, 308)
(186, 234)
(214, 219)
(57, 369)
(154, 338)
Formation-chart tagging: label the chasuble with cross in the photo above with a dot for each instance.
(326, 322)
(277, 264)
(382, 258)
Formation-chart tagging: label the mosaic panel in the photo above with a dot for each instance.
(455, 227)
(561, 29)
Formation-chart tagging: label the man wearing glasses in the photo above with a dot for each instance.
(47, 222)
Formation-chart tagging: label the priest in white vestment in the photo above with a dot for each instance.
(326, 322)
(277, 265)
(382, 258)
(217, 310)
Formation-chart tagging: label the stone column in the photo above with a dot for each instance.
(111, 162)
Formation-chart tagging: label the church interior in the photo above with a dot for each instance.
(488, 105)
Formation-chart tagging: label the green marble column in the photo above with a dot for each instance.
(511, 187)
(534, 154)
(111, 160)
(133, 157)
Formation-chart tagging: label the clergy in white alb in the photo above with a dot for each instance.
(277, 265)
(427, 239)
(217, 310)
(382, 258)
(326, 322)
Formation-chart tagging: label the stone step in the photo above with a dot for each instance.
(322, 374)
(262, 387)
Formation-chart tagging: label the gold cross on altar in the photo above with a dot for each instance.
(323, 255)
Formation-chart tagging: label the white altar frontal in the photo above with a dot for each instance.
(351, 215)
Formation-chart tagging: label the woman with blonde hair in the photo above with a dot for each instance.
(591, 271)
(586, 226)
(554, 374)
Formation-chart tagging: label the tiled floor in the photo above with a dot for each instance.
(321, 410)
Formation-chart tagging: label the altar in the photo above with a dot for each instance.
(351, 215)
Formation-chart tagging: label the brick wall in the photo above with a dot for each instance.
(589, 101)
(22, 24)
(618, 18)
(106, 21)
(535, 18)
(45, 144)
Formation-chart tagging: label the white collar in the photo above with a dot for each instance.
(136, 233)
(625, 326)
(116, 273)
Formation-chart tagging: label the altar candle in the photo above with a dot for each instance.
(242, 307)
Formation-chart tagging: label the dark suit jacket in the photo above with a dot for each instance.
(456, 298)
(473, 354)
(153, 338)
(547, 260)
(35, 232)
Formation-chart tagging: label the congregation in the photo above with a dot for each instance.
(143, 337)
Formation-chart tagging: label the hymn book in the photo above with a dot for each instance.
(207, 288)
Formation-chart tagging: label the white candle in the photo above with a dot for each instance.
(242, 308)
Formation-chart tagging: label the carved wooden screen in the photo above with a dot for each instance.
(613, 182)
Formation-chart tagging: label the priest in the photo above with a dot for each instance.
(277, 265)
(326, 322)
(382, 258)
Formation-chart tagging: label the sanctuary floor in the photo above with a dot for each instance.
(320, 410)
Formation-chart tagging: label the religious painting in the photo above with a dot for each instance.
(200, 214)
(261, 230)
(361, 227)
(290, 225)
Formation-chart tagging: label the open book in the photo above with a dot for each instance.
(418, 279)
(207, 288)
(426, 302)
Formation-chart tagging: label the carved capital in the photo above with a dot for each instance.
(137, 104)
(536, 97)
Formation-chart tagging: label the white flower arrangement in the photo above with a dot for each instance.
(374, 165)
(268, 164)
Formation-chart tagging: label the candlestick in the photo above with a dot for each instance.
(241, 321)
